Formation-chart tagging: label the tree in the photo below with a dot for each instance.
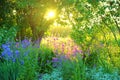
(95, 25)
(32, 14)
(7, 21)
(6, 13)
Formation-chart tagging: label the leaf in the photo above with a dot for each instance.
(93, 2)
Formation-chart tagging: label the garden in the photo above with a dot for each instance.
(59, 40)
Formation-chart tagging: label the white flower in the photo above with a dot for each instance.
(107, 10)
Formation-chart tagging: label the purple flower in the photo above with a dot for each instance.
(63, 45)
(62, 57)
(55, 60)
(25, 43)
(80, 51)
(17, 44)
(74, 54)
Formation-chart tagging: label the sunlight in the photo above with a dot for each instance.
(14, 12)
(50, 14)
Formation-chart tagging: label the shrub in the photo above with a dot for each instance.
(54, 75)
(100, 74)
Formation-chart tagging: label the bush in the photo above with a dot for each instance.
(100, 74)
(54, 75)
(96, 46)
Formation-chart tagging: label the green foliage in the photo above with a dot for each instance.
(32, 14)
(74, 69)
(23, 65)
(100, 74)
(8, 22)
(28, 14)
(30, 66)
(45, 59)
(96, 29)
(6, 13)
(68, 2)
(9, 70)
(93, 2)
(59, 31)
(54, 75)
(7, 34)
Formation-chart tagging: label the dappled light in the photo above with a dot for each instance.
(59, 39)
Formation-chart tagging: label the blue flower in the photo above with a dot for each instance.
(22, 62)
(3, 53)
(17, 53)
(13, 60)
(7, 52)
(4, 46)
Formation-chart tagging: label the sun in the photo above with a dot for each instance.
(50, 14)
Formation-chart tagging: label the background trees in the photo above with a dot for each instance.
(28, 16)
(7, 21)
(96, 29)
(33, 15)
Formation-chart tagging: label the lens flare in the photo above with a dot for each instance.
(50, 15)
